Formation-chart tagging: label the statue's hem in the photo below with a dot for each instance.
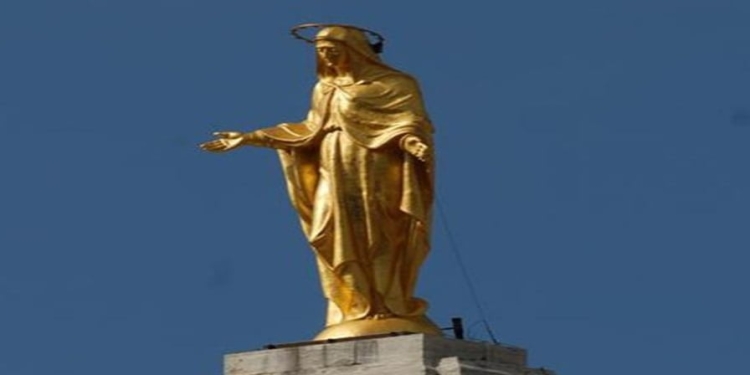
(385, 326)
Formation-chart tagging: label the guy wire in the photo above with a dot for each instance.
(454, 247)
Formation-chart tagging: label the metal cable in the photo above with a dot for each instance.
(464, 271)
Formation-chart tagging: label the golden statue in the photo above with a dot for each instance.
(359, 173)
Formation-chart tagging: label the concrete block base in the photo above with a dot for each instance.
(409, 354)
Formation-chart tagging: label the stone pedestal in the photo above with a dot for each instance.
(409, 354)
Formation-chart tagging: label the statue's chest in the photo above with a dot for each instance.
(351, 99)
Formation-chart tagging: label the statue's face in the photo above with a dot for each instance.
(331, 53)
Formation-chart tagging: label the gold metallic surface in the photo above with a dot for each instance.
(367, 327)
(359, 173)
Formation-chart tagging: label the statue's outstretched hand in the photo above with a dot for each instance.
(226, 141)
(414, 146)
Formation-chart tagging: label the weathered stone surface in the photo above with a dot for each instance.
(397, 355)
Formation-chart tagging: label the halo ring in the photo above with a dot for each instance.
(377, 46)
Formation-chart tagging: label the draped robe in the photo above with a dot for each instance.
(363, 202)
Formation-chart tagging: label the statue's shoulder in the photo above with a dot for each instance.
(397, 81)
(397, 76)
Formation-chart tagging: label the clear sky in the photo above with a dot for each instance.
(592, 165)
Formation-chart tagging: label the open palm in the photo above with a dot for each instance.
(225, 141)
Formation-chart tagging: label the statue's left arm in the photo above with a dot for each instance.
(414, 145)
(406, 96)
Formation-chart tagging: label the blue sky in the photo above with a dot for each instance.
(592, 165)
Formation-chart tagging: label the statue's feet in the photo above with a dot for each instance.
(378, 324)
(381, 316)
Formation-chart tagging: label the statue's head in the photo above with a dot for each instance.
(342, 48)
(351, 38)
(332, 54)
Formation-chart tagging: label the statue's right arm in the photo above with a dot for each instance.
(255, 138)
(225, 141)
(282, 136)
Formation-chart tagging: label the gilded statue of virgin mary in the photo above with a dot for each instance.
(359, 171)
